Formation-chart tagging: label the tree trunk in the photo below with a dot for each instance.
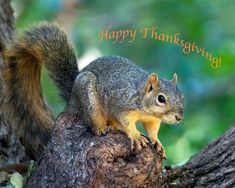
(77, 158)
(10, 147)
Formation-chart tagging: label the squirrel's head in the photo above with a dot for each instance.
(163, 99)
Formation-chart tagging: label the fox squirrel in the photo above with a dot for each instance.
(110, 91)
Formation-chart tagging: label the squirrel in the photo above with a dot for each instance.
(113, 91)
(110, 91)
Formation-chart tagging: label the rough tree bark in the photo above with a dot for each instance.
(213, 167)
(77, 158)
(10, 147)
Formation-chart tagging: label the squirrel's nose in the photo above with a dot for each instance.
(179, 116)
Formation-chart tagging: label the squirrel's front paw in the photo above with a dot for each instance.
(100, 131)
(160, 149)
(138, 142)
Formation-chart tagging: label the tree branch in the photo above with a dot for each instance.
(214, 166)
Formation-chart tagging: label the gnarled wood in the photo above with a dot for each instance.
(78, 158)
(214, 166)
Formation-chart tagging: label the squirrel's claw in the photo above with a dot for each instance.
(160, 149)
(107, 130)
(143, 141)
(138, 143)
(100, 132)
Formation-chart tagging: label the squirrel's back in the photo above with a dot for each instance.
(115, 74)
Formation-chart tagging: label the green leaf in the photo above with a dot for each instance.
(17, 180)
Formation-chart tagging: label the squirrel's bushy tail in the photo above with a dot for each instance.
(46, 45)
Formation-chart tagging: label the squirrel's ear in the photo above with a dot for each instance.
(174, 78)
(152, 82)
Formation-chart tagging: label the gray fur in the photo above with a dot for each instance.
(120, 86)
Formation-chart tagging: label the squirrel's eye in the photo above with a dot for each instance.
(161, 99)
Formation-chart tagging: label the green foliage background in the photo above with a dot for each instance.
(209, 93)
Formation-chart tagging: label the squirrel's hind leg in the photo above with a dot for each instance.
(89, 107)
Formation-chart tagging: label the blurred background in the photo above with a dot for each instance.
(209, 93)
